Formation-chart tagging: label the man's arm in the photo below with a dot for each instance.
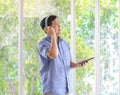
(53, 52)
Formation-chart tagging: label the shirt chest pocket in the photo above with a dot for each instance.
(66, 54)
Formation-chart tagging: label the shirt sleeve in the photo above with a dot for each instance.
(43, 50)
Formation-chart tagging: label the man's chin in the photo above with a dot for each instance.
(58, 33)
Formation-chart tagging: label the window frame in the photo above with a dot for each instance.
(73, 45)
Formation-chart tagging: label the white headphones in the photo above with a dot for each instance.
(46, 20)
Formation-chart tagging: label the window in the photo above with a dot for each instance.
(102, 78)
(8, 47)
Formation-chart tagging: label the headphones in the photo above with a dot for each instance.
(46, 20)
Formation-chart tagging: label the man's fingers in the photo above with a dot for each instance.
(47, 29)
(84, 63)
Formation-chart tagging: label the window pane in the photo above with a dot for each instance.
(85, 30)
(109, 47)
(34, 11)
(8, 47)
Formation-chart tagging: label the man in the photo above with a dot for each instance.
(55, 59)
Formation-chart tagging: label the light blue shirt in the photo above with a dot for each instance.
(55, 74)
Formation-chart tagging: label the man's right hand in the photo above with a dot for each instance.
(50, 31)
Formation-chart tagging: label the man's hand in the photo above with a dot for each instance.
(82, 63)
(50, 31)
(79, 64)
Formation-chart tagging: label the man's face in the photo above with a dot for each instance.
(56, 26)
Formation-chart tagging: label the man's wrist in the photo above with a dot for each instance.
(54, 36)
(77, 65)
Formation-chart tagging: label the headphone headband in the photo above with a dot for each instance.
(46, 20)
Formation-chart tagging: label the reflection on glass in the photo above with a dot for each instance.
(109, 48)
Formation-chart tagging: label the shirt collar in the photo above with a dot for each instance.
(49, 38)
